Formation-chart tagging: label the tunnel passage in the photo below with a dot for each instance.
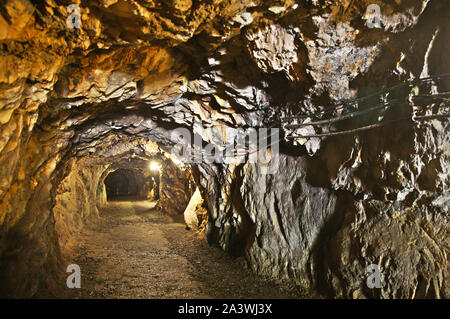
(79, 102)
(125, 183)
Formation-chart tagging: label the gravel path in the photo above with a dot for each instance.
(134, 251)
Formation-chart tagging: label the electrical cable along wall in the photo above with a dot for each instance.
(421, 108)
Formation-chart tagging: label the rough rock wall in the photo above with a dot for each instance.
(28, 240)
(78, 197)
(195, 215)
(290, 216)
(380, 197)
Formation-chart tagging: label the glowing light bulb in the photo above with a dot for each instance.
(155, 166)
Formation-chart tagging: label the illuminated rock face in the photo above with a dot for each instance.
(74, 101)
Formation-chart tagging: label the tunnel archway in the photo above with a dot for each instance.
(123, 183)
(362, 116)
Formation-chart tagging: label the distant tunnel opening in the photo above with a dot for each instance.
(126, 184)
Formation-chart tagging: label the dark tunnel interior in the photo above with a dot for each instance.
(121, 182)
(131, 184)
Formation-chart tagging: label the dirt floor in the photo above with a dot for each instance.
(134, 251)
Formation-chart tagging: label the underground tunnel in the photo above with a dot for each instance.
(224, 149)
(136, 180)
(122, 183)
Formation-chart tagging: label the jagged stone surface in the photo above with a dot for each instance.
(176, 189)
(75, 101)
